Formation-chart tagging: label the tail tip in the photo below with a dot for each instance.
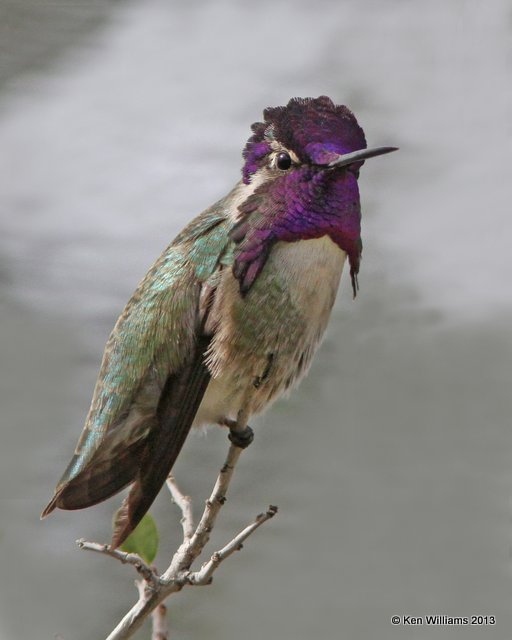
(122, 526)
(49, 508)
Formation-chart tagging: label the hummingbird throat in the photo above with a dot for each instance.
(304, 204)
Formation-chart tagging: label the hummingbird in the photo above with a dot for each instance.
(229, 316)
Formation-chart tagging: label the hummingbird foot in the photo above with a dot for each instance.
(242, 438)
(239, 437)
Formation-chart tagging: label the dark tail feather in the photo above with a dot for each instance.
(176, 411)
(49, 507)
(110, 469)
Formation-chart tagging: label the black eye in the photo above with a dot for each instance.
(284, 161)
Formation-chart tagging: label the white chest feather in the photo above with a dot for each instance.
(264, 342)
(311, 270)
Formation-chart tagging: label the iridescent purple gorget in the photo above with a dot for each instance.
(310, 199)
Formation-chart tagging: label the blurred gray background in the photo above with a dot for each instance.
(392, 464)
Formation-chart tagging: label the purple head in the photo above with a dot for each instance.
(314, 129)
(304, 161)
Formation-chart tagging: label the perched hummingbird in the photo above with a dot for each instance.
(230, 315)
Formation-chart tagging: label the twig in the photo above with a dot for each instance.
(185, 504)
(147, 573)
(153, 589)
(204, 575)
(160, 626)
(188, 552)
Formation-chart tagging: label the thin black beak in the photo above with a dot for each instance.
(358, 156)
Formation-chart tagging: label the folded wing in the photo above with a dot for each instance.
(151, 381)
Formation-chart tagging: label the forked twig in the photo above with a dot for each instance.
(204, 575)
(154, 589)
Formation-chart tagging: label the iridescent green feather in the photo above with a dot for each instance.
(154, 334)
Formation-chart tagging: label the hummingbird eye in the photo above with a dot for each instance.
(283, 161)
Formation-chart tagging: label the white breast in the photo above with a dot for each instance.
(292, 324)
(312, 270)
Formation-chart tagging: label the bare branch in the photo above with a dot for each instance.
(185, 504)
(149, 575)
(153, 590)
(160, 626)
(187, 553)
(204, 575)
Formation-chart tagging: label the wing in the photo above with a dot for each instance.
(151, 381)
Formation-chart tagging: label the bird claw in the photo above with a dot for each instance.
(241, 438)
